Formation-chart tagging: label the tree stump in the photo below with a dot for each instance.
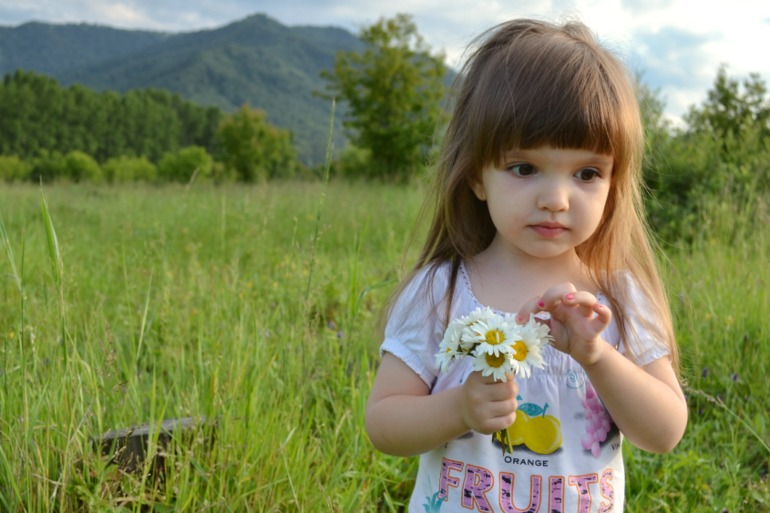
(128, 446)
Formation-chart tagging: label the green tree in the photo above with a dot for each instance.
(732, 111)
(254, 150)
(393, 90)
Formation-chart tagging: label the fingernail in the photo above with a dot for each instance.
(570, 297)
(519, 319)
(541, 304)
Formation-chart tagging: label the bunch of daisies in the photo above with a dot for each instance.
(498, 345)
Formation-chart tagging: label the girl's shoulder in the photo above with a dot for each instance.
(629, 290)
(427, 285)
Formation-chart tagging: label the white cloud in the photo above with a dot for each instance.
(121, 15)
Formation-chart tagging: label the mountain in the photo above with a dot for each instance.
(54, 49)
(255, 61)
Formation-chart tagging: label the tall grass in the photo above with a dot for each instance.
(199, 302)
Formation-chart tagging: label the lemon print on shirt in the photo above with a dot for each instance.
(538, 432)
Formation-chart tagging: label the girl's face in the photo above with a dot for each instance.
(545, 201)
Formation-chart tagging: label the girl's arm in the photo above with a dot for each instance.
(403, 418)
(646, 403)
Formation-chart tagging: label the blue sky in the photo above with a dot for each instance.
(677, 45)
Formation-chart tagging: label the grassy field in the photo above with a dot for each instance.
(255, 311)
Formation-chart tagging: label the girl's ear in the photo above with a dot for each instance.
(477, 186)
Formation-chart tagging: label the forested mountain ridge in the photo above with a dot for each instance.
(54, 49)
(255, 61)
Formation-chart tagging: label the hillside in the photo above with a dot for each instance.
(55, 49)
(255, 61)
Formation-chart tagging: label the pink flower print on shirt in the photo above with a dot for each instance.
(598, 422)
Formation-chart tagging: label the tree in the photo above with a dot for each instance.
(721, 156)
(732, 114)
(254, 150)
(393, 90)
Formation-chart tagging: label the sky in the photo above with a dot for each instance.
(676, 45)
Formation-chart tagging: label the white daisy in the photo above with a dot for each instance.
(450, 347)
(491, 336)
(527, 347)
(498, 345)
(499, 365)
(469, 322)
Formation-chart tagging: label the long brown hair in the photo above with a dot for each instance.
(531, 83)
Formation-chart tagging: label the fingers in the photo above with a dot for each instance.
(486, 388)
(603, 314)
(492, 416)
(583, 302)
(566, 295)
(489, 405)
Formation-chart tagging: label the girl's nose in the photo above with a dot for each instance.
(554, 195)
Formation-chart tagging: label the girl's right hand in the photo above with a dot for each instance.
(577, 321)
(487, 405)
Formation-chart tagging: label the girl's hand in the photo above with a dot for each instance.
(577, 321)
(487, 405)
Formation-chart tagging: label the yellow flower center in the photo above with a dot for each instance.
(494, 337)
(521, 350)
(495, 361)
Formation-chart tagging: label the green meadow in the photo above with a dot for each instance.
(255, 312)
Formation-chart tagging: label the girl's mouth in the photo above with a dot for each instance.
(548, 230)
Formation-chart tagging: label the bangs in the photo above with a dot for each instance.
(547, 92)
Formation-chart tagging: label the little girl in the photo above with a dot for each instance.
(537, 211)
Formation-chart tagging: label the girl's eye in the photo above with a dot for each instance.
(522, 169)
(587, 174)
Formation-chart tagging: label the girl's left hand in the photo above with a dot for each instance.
(577, 321)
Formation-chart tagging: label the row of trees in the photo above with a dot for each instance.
(37, 114)
(49, 132)
(393, 91)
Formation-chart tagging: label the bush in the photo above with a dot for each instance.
(183, 165)
(129, 169)
(13, 169)
(353, 163)
(254, 150)
(47, 167)
(80, 167)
